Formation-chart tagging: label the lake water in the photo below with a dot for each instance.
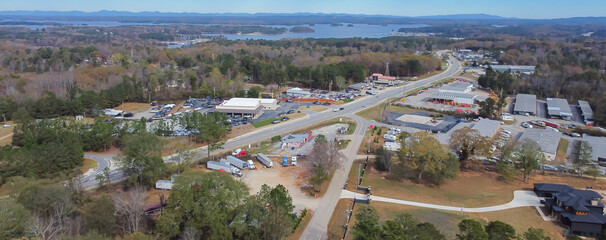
(321, 30)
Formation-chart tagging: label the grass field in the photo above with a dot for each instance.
(134, 107)
(374, 113)
(562, 149)
(6, 133)
(338, 219)
(446, 221)
(88, 164)
(266, 122)
(313, 108)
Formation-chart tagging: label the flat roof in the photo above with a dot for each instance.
(513, 68)
(558, 107)
(457, 86)
(548, 140)
(598, 145)
(255, 111)
(586, 110)
(526, 103)
(487, 127)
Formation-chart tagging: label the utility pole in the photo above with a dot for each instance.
(329, 86)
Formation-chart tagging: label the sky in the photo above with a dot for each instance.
(532, 9)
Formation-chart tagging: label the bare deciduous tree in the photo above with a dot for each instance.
(129, 207)
(49, 227)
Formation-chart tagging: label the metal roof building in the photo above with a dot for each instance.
(514, 68)
(558, 107)
(357, 87)
(487, 127)
(548, 140)
(457, 87)
(463, 98)
(297, 92)
(598, 145)
(247, 106)
(525, 103)
(586, 112)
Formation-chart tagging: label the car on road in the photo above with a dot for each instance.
(128, 115)
(342, 108)
(364, 106)
(285, 119)
(335, 110)
(276, 121)
(526, 125)
(291, 111)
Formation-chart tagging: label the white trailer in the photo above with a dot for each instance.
(225, 167)
(234, 161)
(265, 160)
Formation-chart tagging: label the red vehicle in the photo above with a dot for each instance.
(326, 103)
(552, 124)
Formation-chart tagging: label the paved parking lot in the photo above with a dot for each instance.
(284, 108)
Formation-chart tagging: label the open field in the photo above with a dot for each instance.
(133, 107)
(338, 219)
(313, 108)
(374, 113)
(446, 222)
(562, 149)
(487, 190)
(266, 122)
(88, 164)
(6, 133)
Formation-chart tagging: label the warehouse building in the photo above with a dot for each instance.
(454, 98)
(525, 104)
(297, 92)
(487, 127)
(598, 145)
(558, 107)
(514, 69)
(586, 112)
(252, 107)
(457, 87)
(548, 140)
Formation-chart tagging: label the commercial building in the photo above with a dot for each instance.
(296, 140)
(581, 211)
(586, 112)
(598, 145)
(380, 77)
(514, 69)
(558, 107)
(525, 104)
(487, 127)
(297, 92)
(457, 87)
(547, 140)
(252, 107)
(454, 98)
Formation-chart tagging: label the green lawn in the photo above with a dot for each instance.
(348, 100)
(562, 149)
(263, 123)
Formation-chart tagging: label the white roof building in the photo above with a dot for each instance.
(487, 127)
(548, 140)
(457, 87)
(558, 107)
(247, 106)
(297, 92)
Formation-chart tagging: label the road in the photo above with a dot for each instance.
(316, 229)
(521, 198)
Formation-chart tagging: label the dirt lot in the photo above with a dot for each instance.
(134, 107)
(290, 177)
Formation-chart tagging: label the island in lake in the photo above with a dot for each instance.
(302, 29)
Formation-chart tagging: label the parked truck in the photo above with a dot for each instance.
(234, 161)
(265, 160)
(224, 167)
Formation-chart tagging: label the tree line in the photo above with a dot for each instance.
(405, 226)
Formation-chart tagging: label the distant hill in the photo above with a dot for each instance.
(301, 18)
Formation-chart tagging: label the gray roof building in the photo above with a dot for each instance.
(598, 145)
(548, 140)
(526, 103)
(586, 111)
(514, 68)
(455, 97)
(558, 107)
(457, 87)
(487, 127)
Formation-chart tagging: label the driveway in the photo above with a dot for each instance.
(521, 198)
